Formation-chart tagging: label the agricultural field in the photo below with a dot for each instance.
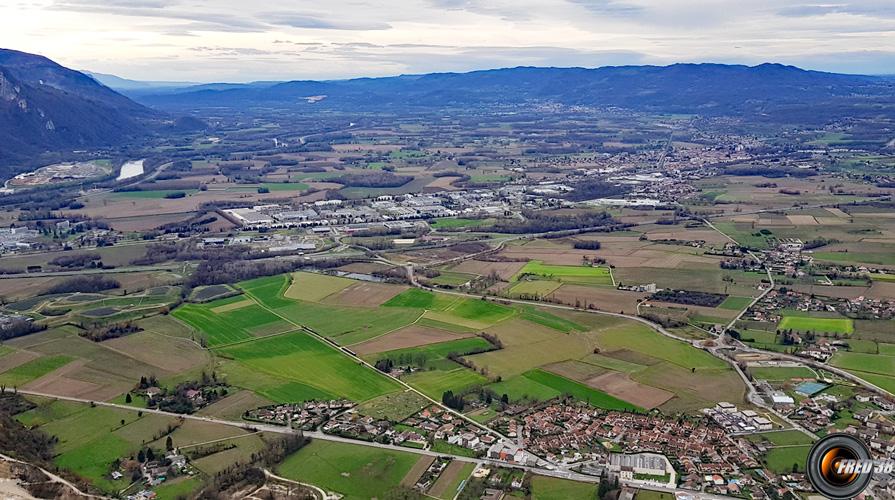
(779, 374)
(818, 325)
(357, 472)
(229, 320)
(552, 488)
(299, 367)
(581, 275)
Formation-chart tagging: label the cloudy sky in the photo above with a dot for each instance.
(245, 40)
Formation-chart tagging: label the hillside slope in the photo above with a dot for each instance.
(47, 107)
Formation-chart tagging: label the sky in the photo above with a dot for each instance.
(246, 40)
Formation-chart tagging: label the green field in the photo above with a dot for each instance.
(453, 279)
(299, 360)
(584, 275)
(857, 257)
(314, 286)
(781, 460)
(473, 313)
(873, 363)
(534, 288)
(542, 385)
(453, 223)
(434, 383)
(544, 318)
(36, 368)
(817, 325)
(780, 373)
(346, 325)
(439, 350)
(358, 472)
(234, 325)
(735, 303)
(640, 338)
(553, 488)
(783, 438)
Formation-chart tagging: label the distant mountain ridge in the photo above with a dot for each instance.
(712, 89)
(47, 107)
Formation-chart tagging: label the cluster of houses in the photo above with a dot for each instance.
(156, 472)
(585, 437)
(420, 430)
(735, 420)
(307, 416)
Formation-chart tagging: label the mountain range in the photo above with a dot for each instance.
(771, 91)
(45, 107)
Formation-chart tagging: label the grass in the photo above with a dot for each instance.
(781, 373)
(440, 446)
(421, 299)
(439, 350)
(818, 325)
(534, 288)
(36, 368)
(434, 383)
(873, 363)
(783, 438)
(472, 313)
(227, 326)
(585, 275)
(453, 223)
(781, 460)
(395, 406)
(636, 337)
(346, 325)
(452, 279)
(553, 488)
(579, 391)
(544, 318)
(314, 287)
(354, 471)
(152, 195)
(285, 186)
(299, 358)
(734, 303)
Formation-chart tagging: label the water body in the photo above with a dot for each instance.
(131, 169)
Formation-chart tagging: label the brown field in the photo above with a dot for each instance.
(77, 380)
(379, 148)
(841, 292)
(576, 370)
(447, 477)
(621, 386)
(234, 405)
(363, 267)
(802, 220)
(445, 183)
(633, 357)
(838, 213)
(15, 288)
(882, 290)
(172, 355)
(15, 359)
(365, 294)
(605, 299)
(505, 270)
(706, 235)
(415, 473)
(232, 306)
(410, 336)
(148, 222)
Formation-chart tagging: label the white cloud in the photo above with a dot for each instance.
(239, 41)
